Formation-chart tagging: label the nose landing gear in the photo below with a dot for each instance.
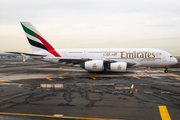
(166, 70)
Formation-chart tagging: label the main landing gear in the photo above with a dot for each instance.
(166, 70)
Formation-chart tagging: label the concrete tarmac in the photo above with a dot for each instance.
(87, 95)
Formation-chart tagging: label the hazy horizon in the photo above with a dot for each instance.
(92, 24)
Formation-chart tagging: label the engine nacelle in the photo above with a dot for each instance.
(94, 65)
(118, 66)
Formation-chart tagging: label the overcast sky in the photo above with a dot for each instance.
(93, 23)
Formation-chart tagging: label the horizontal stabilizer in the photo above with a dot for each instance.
(28, 54)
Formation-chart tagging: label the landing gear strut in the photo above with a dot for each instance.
(166, 70)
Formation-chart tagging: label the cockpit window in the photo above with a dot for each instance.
(171, 56)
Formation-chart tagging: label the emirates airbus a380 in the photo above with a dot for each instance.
(95, 60)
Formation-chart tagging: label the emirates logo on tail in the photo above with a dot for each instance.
(36, 40)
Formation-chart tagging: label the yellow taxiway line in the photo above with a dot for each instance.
(164, 113)
(3, 106)
(49, 79)
(3, 83)
(137, 77)
(93, 78)
(170, 74)
(61, 67)
(174, 75)
(160, 71)
(51, 116)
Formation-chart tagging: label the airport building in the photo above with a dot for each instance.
(8, 55)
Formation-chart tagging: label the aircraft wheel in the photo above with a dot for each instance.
(166, 71)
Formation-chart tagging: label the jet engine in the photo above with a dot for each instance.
(118, 66)
(94, 65)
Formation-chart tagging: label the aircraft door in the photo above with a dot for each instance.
(65, 53)
(164, 58)
(85, 53)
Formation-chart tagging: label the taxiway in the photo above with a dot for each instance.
(87, 95)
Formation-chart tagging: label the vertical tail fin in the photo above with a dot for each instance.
(36, 40)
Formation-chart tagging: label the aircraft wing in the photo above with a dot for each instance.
(70, 61)
(67, 60)
(79, 60)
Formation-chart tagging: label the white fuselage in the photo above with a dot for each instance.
(143, 57)
(95, 60)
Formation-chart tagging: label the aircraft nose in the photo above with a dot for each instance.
(174, 60)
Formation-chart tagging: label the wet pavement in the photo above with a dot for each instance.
(88, 95)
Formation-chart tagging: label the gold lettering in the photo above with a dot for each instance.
(153, 54)
(137, 55)
(149, 55)
(115, 54)
(145, 54)
(142, 55)
(122, 53)
(119, 67)
(129, 55)
(94, 66)
(134, 54)
(109, 54)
